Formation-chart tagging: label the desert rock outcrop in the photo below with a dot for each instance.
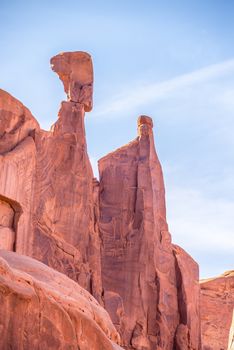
(140, 267)
(43, 309)
(217, 306)
(47, 176)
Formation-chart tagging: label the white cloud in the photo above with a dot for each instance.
(137, 96)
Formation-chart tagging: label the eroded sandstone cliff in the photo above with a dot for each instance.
(44, 309)
(47, 176)
(150, 287)
(217, 309)
(110, 237)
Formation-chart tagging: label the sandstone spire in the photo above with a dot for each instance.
(66, 237)
(46, 176)
(140, 270)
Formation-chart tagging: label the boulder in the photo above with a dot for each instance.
(43, 309)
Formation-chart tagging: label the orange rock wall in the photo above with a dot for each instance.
(141, 291)
(217, 306)
(43, 309)
(47, 179)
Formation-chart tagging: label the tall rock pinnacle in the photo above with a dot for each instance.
(49, 196)
(140, 268)
(144, 126)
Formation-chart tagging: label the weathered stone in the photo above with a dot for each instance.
(16, 122)
(43, 309)
(75, 69)
(47, 179)
(138, 265)
(216, 308)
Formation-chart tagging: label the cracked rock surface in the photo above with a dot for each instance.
(217, 312)
(44, 309)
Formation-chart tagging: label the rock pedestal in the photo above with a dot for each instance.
(47, 176)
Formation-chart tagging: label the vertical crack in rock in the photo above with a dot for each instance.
(49, 174)
(132, 207)
(188, 292)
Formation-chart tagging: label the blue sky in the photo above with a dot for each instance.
(172, 60)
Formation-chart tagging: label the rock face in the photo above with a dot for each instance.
(48, 178)
(143, 275)
(188, 294)
(43, 309)
(17, 164)
(217, 305)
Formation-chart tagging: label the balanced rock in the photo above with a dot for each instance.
(16, 122)
(43, 309)
(46, 181)
(75, 69)
(17, 170)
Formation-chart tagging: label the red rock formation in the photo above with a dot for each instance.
(188, 334)
(75, 69)
(140, 272)
(43, 309)
(217, 305)
(16, 122)
(52, 209)
(17, 164)
(48, 177)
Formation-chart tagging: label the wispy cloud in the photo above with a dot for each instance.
(137, 96)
